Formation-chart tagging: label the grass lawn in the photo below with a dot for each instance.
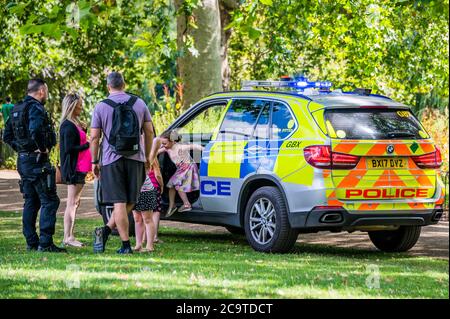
(202, 265)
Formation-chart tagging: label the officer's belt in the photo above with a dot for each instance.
(31, 154)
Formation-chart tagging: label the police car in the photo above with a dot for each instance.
(293, 156)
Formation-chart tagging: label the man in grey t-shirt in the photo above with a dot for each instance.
(121, 177)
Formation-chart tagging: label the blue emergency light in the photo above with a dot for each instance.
(298, 83)
(301, 82)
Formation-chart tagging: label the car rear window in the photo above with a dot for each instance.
(373, 124)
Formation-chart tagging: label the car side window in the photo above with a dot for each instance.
(262, 127)
(241, 118)
(203, 125)
(282, 122)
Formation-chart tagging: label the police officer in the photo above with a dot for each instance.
(30, 133)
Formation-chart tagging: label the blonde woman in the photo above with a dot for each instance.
(75, 161)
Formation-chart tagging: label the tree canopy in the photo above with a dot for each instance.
(397, 47)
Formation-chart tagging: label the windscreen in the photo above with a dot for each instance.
(373, 124)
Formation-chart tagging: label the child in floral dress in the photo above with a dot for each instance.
(186, 178)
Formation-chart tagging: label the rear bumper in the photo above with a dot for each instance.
(340, 219)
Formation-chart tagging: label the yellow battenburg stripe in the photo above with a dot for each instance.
(360, 178)
(378, 148)
(288, 160)
(319, 118)
(330, 129)
(225, 159)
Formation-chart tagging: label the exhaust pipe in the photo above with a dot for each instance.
(331, 218)
(437, 215)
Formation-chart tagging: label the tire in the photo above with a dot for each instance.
(106, 212)
(400, 240)
(276, 221)
(235, 230)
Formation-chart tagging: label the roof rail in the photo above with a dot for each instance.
(267, 92)
(371, 94)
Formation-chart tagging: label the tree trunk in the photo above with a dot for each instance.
(201, 74)
(226, 7)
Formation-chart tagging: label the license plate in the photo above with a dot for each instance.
(386, 162)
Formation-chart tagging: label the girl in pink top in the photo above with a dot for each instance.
(148, 204)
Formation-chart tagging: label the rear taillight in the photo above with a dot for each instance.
(318, 156)
(430, 160)
(344, 161)
(321, 156)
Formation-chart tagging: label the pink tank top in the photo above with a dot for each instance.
(153, 179)
(84, 157)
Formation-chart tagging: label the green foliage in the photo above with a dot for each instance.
(197, 264)
(397, 48)
(10, 162)
(168, 110)
(73, 52)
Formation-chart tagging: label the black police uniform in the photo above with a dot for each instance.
(27, 130)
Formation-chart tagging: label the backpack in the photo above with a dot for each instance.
(125, 132)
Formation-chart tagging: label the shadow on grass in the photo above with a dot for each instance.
(88, 289)
(10, 227)
(299, 248)
(197, 264)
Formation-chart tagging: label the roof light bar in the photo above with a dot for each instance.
(298, 83)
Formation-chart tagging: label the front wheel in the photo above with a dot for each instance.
(266, 222)
(400, 240)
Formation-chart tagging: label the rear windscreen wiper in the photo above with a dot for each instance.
(401, 134)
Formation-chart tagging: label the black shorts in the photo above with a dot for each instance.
(80, 178)
(122, 180)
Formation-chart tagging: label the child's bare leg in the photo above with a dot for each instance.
(172, 193)
(149, 229)
(184, 198)
(156, 216)
(139, 229)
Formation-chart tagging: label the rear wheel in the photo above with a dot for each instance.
(266, 222)
(400, 240)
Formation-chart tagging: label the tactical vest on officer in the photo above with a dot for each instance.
(20, 124)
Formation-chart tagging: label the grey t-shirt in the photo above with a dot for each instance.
(102, 119)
